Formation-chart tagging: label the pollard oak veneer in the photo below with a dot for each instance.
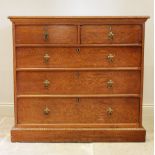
(78, 79)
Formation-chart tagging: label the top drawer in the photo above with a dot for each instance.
(111, 34)
(55, 34)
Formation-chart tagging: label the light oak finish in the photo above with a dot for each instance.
(75, 110)
(74, 82)
(86, 57)
(78, 134)
(97, 34)
(57, 34)
(78, 79)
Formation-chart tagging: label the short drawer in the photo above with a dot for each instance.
(78, 82)
(85, 110)
(75, 57)
(113, 34)
(54, 34)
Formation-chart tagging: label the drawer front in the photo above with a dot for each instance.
(56, 34)
(79, 57)
(105, 34)
(86, 110)
(78, 82)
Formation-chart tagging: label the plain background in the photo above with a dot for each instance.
(70, 8)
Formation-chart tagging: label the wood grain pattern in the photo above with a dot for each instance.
(87, 57)
(142, 75)
(79, 82)
(62, 34)
(14, 73)
(33, 20)
(80, 125)
(71, 110)
(98, 34)
(81, 69)
(78, 96)
(78, 135)
(79, 45)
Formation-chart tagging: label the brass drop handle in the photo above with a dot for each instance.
(46, 111)
(46, 35)
(109, 111)
(110, 84)
(110, 34)
(46, 83)
(78, 50)
(110, 58)
(46, 58)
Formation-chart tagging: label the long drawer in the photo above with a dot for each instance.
(42, 34)
(102, 34)
(78, 82)
(85, 110)
(64, 57)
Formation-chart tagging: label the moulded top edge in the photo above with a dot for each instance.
(70, 17)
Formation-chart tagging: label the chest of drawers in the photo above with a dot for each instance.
(78, 79)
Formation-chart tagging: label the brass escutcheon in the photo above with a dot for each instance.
(78, 50)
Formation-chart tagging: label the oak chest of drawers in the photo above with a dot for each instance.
(78, 79)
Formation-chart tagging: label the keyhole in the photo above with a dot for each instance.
(77, 74)
(78, 50)
(78, 100)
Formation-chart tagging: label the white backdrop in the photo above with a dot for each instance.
(70, 8)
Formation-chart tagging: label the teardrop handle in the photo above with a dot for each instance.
(45, 35)
(110, 34)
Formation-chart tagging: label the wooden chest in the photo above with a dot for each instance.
(78, 79)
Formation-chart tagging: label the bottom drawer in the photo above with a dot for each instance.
(77, 110)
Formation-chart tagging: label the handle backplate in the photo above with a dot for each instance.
(110, 84)
(46, 83)
(110, 58)
(46, 58)
(46, 111)
(109, 111)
